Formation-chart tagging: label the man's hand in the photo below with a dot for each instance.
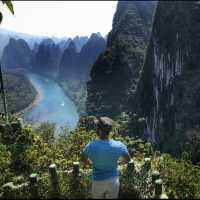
(85, 160)
(125, 159)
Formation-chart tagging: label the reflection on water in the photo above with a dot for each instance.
(53, 105)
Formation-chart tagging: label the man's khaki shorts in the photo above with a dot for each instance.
(106, 189)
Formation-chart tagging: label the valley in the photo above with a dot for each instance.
(144, 74)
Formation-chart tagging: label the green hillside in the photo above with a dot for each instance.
(25, 151)
(19, 92)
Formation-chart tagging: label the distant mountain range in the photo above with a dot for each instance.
(67, 60)
(35, 40)
(5, 35)
(77, 64)
(63, 42)
(51, 56)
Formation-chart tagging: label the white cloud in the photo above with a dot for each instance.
(60, 18)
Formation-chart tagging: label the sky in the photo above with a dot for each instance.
(60, 18)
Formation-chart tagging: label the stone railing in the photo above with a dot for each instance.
(148, 183)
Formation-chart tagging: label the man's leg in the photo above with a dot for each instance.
(98, 190)
(112, 188)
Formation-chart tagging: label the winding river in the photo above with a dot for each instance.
(52, 104)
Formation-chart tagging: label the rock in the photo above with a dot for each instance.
(17, 54)
(115, 73)
(169, 86)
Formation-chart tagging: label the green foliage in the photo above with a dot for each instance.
(1, 17)
(75, 188)
(9, 6)
(5, 160)
(46, 130)
(192, 146)
(19, 92)
(30, 151)
(18, 152)
(180, 177)
(131, 125)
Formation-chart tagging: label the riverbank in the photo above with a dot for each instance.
(18, 90)
(77, 95)
(37, 99)
(51, 105)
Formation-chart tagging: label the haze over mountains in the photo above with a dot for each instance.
(5, 35)
(80, 62)
(66, 60)
(47, 55)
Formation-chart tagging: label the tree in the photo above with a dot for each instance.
(9, 5)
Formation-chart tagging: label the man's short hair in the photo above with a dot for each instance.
(104, 123)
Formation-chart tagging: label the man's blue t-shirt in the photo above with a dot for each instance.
(104, 155)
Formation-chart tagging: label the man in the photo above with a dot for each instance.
(104, 154)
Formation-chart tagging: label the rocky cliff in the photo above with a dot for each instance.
(63, 44)
(80, 41)
(115, 75)
(75, 68)
(75, 64)
(90, 52)
(47, 58)
(68, 65)
(6, 35)
(17, 54)
(169, 87)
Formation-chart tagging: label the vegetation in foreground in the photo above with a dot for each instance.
(25, 150)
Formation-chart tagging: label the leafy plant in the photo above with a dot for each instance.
(9, 5)
(31, 151)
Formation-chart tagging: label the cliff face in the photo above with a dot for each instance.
(169, 87)
(68, 64)
(89, 54)
(80, 42)
(77, 65)
(6, 35)
(115, 74)
(16, 54)
(75, 68)
(63, 44)
(47, 58)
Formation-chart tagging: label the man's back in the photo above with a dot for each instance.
(104, 155)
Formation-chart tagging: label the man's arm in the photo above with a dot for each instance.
(85, 159)
(125, 159)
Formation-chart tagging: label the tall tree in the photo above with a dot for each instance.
(9, 5)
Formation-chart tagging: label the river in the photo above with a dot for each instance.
(52, 104)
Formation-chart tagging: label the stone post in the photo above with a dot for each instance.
(130, 168)
(158, 187)
(76, 169)
(75, 181)
(155, 176)
(34, 186)
(147, 163)
(159, 190)
(54, 181)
